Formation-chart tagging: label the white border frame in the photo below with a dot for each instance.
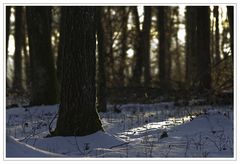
(120, 3)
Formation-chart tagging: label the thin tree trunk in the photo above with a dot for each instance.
(217, 41)
(123, 47)
(230, 19)
(8, 12)
(25, 52)
(161, 47)
(187, 46)
(111, 61)
(177, 51)
(138, 54)
(168, 46)
(17, 81)
(212, 41)
(191, 46)
(77, 112)
(146, 45)
(60, 51)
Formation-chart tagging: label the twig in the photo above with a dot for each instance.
(49, 126)
(125, 143)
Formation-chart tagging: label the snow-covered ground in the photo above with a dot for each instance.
(131, 130)
(18, 149)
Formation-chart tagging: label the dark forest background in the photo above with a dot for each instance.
(140, 54)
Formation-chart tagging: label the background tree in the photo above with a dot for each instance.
(138, 55)
(167, 33)
(8, 11)
(146, 44)
(230, 19)
(161, 47)
(101, 78)
(138, 61)
(198, 70)
(142, 48)
(17, 81)
(60, 51)
(177, 50)
(78, 91)
(168, 46)
(217, 37)
(43, 78)
(26, 57)
(203, 48)
(190, 43)
(123, 52)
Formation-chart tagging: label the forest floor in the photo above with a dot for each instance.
(158, 130)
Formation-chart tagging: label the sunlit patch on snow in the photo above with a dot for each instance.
(155, 126)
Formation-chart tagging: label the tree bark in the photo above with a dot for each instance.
(43, 75)
(77, 112)
(101, 84)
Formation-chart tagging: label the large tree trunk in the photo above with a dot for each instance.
(101, 84)
(43, 76)
(77, 112)
(230, 19)
(146, 45)
(17, 81)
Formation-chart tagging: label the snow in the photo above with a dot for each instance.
(77, 146)
(135, 131)
(18, 149)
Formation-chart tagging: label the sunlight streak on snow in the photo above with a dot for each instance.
(162, 125)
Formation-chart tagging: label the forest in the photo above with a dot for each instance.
(119, 81)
